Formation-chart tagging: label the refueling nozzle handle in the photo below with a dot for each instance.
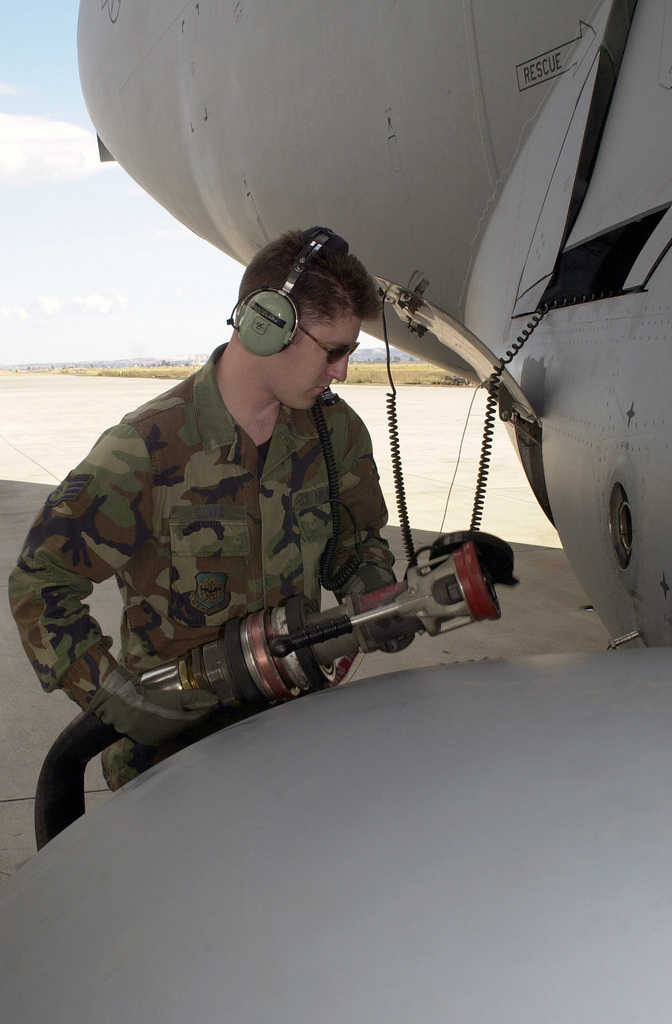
(309, 635)
(454, 587)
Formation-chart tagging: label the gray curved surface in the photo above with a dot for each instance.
(476, 843)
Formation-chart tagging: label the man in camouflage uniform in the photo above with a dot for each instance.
(207, 503)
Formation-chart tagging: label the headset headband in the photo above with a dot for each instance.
(318, 239)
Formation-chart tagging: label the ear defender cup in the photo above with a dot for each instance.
(266, 322)
(266, 319)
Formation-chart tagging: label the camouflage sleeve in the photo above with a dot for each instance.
(362, 494)
(88, 528)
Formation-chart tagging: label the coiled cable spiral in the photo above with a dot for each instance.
(328, 581)
(491, 385)
(395, 456)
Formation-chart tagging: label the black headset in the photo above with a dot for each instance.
(267, 319)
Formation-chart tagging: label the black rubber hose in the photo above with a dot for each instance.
(59, 797)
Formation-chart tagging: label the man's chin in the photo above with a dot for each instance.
(302, 402)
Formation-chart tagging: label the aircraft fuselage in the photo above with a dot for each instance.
(488, 159)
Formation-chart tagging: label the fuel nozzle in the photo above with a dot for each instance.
(274, 655)
(454, 586)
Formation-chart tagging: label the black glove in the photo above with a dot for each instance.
(369, 576)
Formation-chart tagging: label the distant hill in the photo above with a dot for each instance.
(377, 355)
(363, 355)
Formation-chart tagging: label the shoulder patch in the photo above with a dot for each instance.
(70, 489)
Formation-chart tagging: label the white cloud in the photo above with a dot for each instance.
(178, 231)
(14, 312)
(10, 90)
(35, 151)
(101, 304)
(50, 304)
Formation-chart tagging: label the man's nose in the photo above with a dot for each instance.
(339, 369)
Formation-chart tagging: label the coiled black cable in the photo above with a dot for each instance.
(395, 455)
(491, 385)
(328, 581)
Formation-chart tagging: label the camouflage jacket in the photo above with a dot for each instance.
(175, 503)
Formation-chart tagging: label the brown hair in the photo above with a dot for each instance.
(331, 286)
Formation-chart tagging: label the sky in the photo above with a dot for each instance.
(90, 266)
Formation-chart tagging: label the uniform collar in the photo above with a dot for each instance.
(215, 423)
(218, 429)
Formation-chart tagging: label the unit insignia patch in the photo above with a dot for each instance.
(211, 594)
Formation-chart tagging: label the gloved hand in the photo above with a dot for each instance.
(369, 576)
(148, 716)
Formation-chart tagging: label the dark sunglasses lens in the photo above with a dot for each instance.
(335, 354)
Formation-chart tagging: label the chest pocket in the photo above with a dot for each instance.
(313, 517)
(209, 545)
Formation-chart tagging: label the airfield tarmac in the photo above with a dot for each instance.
(49, 422)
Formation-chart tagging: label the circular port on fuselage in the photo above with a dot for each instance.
(620, 525)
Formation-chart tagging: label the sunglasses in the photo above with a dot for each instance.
(334, 355)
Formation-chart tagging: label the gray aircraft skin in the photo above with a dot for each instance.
(484, 842)
(512, 155)
(481, 844)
